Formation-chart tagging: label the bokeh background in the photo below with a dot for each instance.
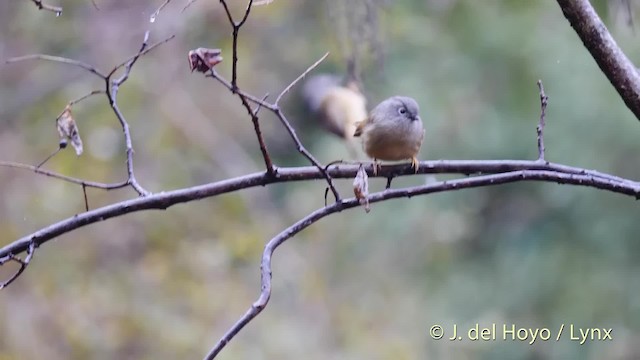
(168, 284)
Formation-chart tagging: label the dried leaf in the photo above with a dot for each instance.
(203, 59)
(361, 188)
(68, 130)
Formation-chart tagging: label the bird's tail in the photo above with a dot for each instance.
(316, 88)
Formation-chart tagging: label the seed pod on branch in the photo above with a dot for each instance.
(203, 59)
(68, 130)
(361, 188)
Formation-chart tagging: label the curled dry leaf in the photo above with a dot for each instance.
(203, 59)
(68, 130)
(361, 188)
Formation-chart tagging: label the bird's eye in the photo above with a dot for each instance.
(402, 111)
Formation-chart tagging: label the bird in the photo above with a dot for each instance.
(338, 105)
(393, 131)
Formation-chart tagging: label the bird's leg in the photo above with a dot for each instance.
(415, 163)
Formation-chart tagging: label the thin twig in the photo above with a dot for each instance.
(132, 59)
(75, 101)
(540, 128)
(187, 6)
(214, 74)
(58, 59)
(49, 157)
(42, 6)
(155, 14)
(69, 179)
(23, 264)
(114, 87)
(86, 200)
(235, 30)
(294, 82)
(256, 127)
(82, 98)
(306, 153)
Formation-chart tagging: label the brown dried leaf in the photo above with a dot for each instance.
(361, 188)
(68, 130)
(203, 59)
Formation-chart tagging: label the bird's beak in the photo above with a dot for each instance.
(416, 118)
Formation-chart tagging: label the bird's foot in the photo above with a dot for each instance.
(376, 167)
(415, 164)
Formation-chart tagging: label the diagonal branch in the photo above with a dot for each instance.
(256, 127)
(620, 71)
(143, 51)
(54, 175)
(58, 59)
(214, 74)
(300, 77)
(301, 149)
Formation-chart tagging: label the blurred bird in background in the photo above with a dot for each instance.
(337, 104)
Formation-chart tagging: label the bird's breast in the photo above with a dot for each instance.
(394, 142)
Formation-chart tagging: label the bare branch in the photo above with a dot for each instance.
(246, 13)
(75, 101)
(143, 51)
(458, 184)
(82, 98)
(620, 71)
(114, 87)
(128, 144)
(214, 74)
(49, 157)
(58, 59)
(545, 172)
(306, 153)
(540, 128)
(256, 127)
(69, 179)
(235, 30)
(187, 6)
(275, 108)
(86, 200)
(155, 14)
(23, 265)
(42, 6)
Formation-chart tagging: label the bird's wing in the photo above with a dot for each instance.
(360, 127)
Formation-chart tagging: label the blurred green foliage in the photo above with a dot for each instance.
(166, 285)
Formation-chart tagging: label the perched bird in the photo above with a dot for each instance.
(392, 131)
(337, 106)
